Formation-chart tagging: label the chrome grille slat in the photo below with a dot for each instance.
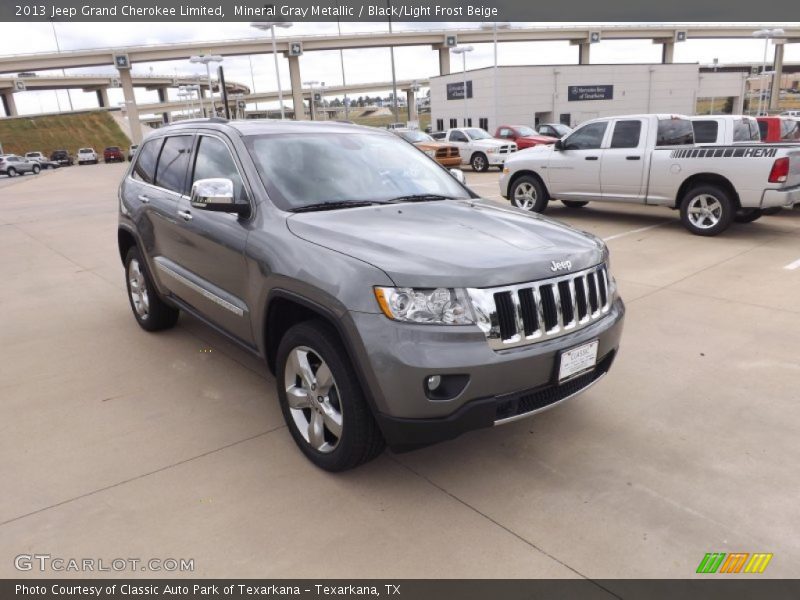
(516, 315)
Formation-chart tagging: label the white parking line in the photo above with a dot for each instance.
(793, 265)
(624, 233)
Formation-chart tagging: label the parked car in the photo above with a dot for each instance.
(779, 129)
(13, 165)
(725, 129)
(113, 154)
(62, 157)
(87, 156)
(556, 130)
(391, 303)
(446, 155)
(523, 136)
(652, 159)
(132, 151)
(42, 160)
(479, 149)
(792, 113)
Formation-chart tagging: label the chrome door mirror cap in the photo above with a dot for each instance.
(459, 175)
(213, 194)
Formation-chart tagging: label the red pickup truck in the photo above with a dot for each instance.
(524, 136)
(779, 129)
(113, 154)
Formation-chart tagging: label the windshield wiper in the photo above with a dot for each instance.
(335, 205)
(421, 198)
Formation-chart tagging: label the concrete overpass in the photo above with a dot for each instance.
(583, 37)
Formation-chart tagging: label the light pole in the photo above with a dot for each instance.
(344, 83)
(310, 85)
(271, 25)
(495, 26)
(767, 34)
(207, 59)
(462, 50)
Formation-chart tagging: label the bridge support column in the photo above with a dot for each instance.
(668, 53)
(584, 53)
(297, 89)
(131, 110)
(775, 95)
(102, 97)
(8, 104)
(162, 97)
(411, 102)
(444, 61)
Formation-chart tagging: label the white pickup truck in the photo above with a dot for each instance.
(478, 148)
(725, 129)
(652, 159)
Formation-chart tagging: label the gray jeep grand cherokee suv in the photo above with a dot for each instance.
(392, 305)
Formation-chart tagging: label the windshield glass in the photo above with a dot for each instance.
(561, 130)
(306, 169)
(477, 134)
(416, 136)
(525, 130)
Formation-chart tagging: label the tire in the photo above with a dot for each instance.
(479, 162)
(338, 433)
(149, 310)
(12, 172)
(707, 210)
(748, 215)
(773, 210)
(574, 203)
(36, 169)
(528, 193)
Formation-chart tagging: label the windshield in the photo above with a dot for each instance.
(477, 134)
(561, 130)
(525, 131)
(308, 169)
(416, 136)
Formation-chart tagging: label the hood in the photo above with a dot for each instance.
(452, 243)
(490, 143)
(433, 145)
(537, 139)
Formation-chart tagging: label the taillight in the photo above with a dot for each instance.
(780, 171)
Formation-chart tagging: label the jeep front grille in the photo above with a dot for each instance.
(525, 313)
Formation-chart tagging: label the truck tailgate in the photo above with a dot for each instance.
(793, 179)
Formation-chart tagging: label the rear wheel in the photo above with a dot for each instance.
(574, 203)
(479, 162)
(528, 193)
(149, 310)
(322, 401)
(748, 215)
(707, 210)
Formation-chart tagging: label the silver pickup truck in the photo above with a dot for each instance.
(653, 160)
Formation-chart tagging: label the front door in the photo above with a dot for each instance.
(573, 173)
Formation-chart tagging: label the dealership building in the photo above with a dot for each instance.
(572, 94)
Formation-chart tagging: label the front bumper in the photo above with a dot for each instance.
(402, 356)
(781, 198)
(496, 160)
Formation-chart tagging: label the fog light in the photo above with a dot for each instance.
(433, 383)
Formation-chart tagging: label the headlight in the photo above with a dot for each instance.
(492, 150)
(440, 306)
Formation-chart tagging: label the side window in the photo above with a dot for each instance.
(763, 128)
(547, 130)
(215, 160)
(172, 164)
(457, 136)
(674, 132)
(505, 132)
(741, 131)
(146, 158)
(705, 132)
(790, 130)
(626, 134)
(588, 137)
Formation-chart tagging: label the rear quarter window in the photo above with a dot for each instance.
(674, 132)
(705, 132)
(144, 169)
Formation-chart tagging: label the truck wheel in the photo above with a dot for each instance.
(574, 203)
(12, 172)
(150, 311)
(707, 210)
(528, 193)
(748, 215)
(36, 169)
(479, 162)
(322, 401)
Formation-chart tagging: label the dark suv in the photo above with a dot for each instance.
(62, 157)
(391, 303)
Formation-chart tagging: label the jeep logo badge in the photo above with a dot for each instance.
(564, 265)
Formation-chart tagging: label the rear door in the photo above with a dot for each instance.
(623, 162)
(574, 172)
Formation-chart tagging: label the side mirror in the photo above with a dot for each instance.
(216, 195)
(459, 176)
(559, 145)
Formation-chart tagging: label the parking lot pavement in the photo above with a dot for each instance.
(118, 443)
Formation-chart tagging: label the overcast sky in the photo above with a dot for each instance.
(361, 66)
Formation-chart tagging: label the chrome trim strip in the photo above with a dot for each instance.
(549, 406)
(201, 290)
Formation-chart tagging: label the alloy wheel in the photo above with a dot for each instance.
(525, 196)
(704, 211)
(137, 286)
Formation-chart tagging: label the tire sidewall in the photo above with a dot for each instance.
(540, 203)
(726, 218)
(477, 157)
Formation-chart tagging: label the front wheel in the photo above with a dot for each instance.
(36, 169)
(748, 215)
(321, 399)
(12, 172)
(149, 310)
(479, 162)
(528, 193)
(574, 203)
(707, 210)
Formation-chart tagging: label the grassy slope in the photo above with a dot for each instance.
(53, 132)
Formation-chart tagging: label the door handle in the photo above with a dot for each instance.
(591, 158)
(633, 158)
(187, 215)
(144, 199)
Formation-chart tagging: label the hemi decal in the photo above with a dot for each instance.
(726, 152)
